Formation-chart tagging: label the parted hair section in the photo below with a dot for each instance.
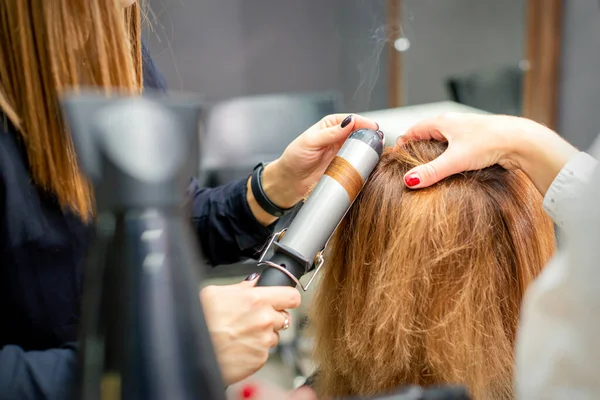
(424, 286)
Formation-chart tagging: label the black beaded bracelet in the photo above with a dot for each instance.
(261, 197)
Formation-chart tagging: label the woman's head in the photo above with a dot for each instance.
(47, 47)
(424, 287)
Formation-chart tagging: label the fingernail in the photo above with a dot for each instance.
(346, 121)
(252, 276)
(412, 180)
(248, 391)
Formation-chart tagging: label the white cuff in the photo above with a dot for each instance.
(567, 186)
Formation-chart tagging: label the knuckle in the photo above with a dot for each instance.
(267, 340)
(264, 320)
(260, 355)
(271, 340)
(330, 120)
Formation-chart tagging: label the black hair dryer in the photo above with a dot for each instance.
(143, 330)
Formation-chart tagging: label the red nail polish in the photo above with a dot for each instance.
(412, 180)
(248, 391)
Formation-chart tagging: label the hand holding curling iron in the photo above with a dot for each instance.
(244, 322)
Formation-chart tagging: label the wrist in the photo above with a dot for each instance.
(278, 186)
(540, 153)
(542, 147)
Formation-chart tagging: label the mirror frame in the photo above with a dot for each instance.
(543, 45)
(542, 39)
(395, 70)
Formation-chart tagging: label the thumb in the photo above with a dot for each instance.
(251, 280)
(428, 174)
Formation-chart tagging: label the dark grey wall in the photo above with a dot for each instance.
(288, 46)
(457, 36)
(579, 86)
(196, 45)
(228, 48)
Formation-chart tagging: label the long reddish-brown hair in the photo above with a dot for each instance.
(424, 286)
(47, 47)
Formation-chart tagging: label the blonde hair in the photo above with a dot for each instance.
(424, 286)
(47, 47)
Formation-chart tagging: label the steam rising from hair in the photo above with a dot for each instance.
(369, 68)
(381, 35)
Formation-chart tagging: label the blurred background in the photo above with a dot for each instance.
(271, 68)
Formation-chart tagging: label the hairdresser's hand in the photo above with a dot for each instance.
(244, 321)
(304, 161)
(478, 141)
(288, 179)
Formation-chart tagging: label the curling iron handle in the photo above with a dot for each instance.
(271, 276)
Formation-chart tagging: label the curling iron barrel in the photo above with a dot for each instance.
(300, 247)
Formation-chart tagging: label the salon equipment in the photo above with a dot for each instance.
(301, 245)
(143, 331)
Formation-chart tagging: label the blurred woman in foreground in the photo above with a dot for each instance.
(47, 205)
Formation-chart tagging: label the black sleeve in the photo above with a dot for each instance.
(226, 227)
(153, 78)
(48, 374)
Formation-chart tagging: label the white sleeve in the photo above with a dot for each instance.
(558, 341)
(567, 186)
(549, 350)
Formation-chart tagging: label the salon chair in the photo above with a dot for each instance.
(242, 132)
(497, 90)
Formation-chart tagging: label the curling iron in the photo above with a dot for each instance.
(299, 248)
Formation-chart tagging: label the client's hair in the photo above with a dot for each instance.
(424, 286)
